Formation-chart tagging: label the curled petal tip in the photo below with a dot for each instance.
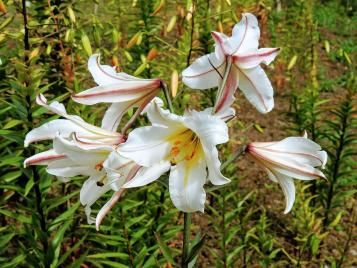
(286, 211)
(304, 135)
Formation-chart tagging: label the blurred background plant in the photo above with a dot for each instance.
(44, 47)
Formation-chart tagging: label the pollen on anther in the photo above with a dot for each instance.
(99, 166)
(175, 151)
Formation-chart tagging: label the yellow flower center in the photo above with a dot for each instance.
(185, 146)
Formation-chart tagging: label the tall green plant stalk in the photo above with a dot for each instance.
(186, 239)
(337, 159)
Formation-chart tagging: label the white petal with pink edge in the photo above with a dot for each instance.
(205, 72)
(251, 60)
(245, 34)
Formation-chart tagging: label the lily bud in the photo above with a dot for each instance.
(293, 157)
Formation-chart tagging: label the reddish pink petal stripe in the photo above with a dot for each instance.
(253, 85)
(211, 70)
(229, 89)
(44, 158)
(154, 85)
(112, 76)
(244, 35)
(258, 54)
(258, 156)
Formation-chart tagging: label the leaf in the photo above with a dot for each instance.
(337, 219)
(6, 22)
(113, 264)
(65, 215)
(12, 123)
(105, 255)
(15, 262)
(165, 250)
(4, 239)
(19, 217)
(234, 253)
(69, 251)
(195, 250)
(56, 242)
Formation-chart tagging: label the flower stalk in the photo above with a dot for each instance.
(186, 239)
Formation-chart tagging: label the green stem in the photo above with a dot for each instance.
(186, 239)
(167, 96)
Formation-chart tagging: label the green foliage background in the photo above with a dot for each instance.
(44, 47)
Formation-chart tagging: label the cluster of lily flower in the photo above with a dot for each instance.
(184, 145)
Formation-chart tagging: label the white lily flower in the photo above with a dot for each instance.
(122, 90)
(107, 170)
(80, 148)
(72, 124)
(293, 157)
(235, 63)
(186, 145)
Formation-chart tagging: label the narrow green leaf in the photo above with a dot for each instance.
(164, 249)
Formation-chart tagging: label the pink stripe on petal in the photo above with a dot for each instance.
(244, 35)
(112, 76)
(258, 155)
(228, 92)
(154, 85)
(35, 160)
(253, 55)
(253, 85)
(214, 68)
(219, 41)
(291, 153)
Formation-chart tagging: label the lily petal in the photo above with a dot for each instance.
(106, 75)
(251, 60)
(147, 145)
(43, 158)
(210, 129)
(257, 88)
(58, 108)
(148, 175)
(186, 186)
(49, 131)
(107, 207)
(288, 187)
(222, 45)
(205, 72)
(122, 92)
(214, 165)
(114, 114)
(302, 149)
(226, 97)
(79, 154)
(119, 170)
(67, 168)
(159, 116)
(245, 34)
(90, 193)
